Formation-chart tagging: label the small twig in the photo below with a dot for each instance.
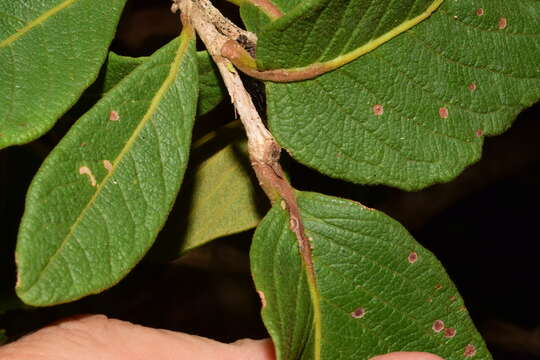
(263, 149)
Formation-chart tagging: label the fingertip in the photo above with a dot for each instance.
(255, 349)
(407, 356)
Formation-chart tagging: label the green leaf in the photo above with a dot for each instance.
(336, 31)
(376, 290)
(100, 198)
(211, 88)
(50, 52)
(219, 196)
(415, 110)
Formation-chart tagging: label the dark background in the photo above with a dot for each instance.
(482, 226)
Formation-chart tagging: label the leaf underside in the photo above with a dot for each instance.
(414, 111)
(219, 195)
(100, 198)
(50, 51)
(379, 291)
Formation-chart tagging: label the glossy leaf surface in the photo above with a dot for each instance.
(50, 51)
(415, 110)
(377, 290)
(100, 198)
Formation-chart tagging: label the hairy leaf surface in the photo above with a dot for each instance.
(100, 198)
(415, 110)
(50, 51)
(377, 289)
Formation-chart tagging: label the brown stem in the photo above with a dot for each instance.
(263, 149)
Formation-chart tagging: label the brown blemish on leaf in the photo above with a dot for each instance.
(479, 11)
(443, 112)
(378, 109)
(470, 350)
(114, 116)
(429, 300)
(449, 333)
(502, 23)
(438, 286)
(438, 326)
(471, 87)
(85, 170)
(262, 297)
(413, 256)
(283, 204)
(83, 144)
(479, 132)
(453, 298)
(358, 313)
(107, 165)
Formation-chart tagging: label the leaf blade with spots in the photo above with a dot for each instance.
(377, 290)
(415, 110)
(50, 52)
(102, 195)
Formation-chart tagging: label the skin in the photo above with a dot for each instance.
(95, 337)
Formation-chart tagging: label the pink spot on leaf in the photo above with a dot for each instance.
(443, 112)
(114, 116)
(479, 11)
(470, 350)
(437, 326)
(449, 333)
(358, 313)
(471, 87)
(479, 132)
(502, 23)
(378, 109)
(412, 257)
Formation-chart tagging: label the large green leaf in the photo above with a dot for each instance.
(50, 51)
(376, 289)
(101, 196)
(415, 110)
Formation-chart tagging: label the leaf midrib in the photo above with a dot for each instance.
(174, 69)
(36, 22)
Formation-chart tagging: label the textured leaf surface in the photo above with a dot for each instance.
(50, 51)
(320, 31)
(378, 290)
(102, 195)
(415, 110)
(219, 196)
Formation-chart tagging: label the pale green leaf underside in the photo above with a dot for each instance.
(50, 51)
(362, 259)
(219, 195)
(415, 110)
(100, 198)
